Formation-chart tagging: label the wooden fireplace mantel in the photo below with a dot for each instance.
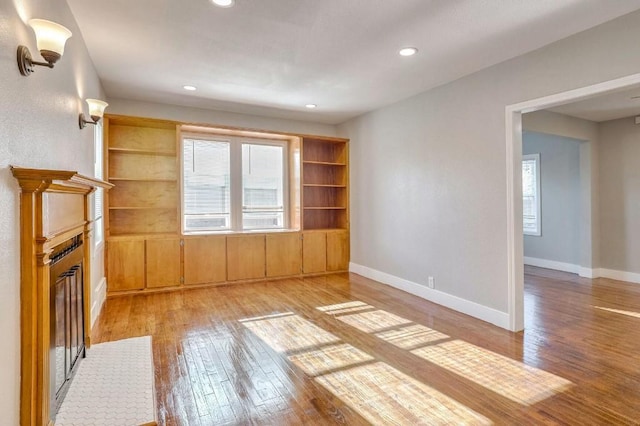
(54, 206)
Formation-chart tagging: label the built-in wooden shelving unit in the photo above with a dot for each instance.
(142, 163)
(146, 250)
(325, 183)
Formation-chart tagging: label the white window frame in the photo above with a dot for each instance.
(285, 180)
(236, 143)
(538, 231)
(98, 166)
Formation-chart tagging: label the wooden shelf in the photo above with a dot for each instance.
(143, 221)
(336, 229)
(321, 185)
(325, 218)
(323, 163)
(142, 152)
(325, 208)
(142, 208)
(145, 236)
(141, 180)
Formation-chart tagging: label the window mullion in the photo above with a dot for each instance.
(236, 186)
(285, 186)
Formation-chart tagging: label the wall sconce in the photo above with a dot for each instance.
(96, 111)
(50, 38)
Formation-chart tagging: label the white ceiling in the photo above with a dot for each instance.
(271, 57)
(611, 106)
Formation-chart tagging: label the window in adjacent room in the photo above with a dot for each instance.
(233, 184)
(531, 194)
(98, 196)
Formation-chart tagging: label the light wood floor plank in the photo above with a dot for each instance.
(342, 349)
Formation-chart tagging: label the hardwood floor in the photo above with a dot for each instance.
(342, 349)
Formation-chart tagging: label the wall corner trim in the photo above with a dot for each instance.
(99, 297)
(589, 273)
(476, 310)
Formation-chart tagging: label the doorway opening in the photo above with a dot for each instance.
(514, 128)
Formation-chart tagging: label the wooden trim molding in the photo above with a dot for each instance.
(41, 229)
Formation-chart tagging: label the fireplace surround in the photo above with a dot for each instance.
(55, 236)
(66, 317)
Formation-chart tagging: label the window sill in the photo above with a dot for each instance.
(247, 231)
(532, 234)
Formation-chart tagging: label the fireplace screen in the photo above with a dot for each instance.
(67, 316)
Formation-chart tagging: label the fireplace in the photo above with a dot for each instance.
(55, 262)
(66, 313)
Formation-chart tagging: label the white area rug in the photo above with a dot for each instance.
(113, 386)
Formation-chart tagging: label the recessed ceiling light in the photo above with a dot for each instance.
(408, 51)
(190, 88)
(311, 106)
(223, 3)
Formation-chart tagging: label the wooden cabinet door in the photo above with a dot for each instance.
(337, 251)
(205, 260)
(245, 257)
(284, 254)
(314, 252)
(125, 269)
(163, 262)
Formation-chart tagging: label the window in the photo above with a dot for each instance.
(531, 194)
(207, 185)
(262, 186)
(98, 196)
(233, 184)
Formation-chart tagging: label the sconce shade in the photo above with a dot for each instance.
(96, 111)
(96, 108)
(50, 38)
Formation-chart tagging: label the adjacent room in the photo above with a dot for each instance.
(225, 212)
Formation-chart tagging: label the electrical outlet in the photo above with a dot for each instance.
(432, 282)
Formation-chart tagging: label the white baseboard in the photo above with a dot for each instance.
(631, 277)
(476, 310)
(552, 264)
(98, 297)
(589, 273)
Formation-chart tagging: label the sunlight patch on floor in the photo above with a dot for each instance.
(411, 336)
(330, 358)
(289, 332)
(375, 390)
(342, 308)
(512, 379)
(383, 395)
(373, 321)
(619, 311)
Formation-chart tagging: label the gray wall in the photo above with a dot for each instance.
(428, 173)
(620, 195)
(39, 129)
(560, 198)
(588, 132)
